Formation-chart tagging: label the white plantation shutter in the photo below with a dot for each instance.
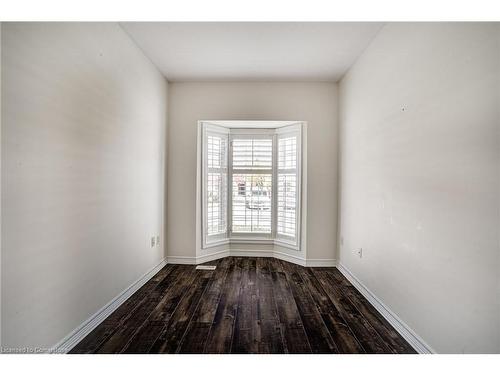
(252, 154)
(215, 183)
(252, 179)
(251, 184)
(288, 188)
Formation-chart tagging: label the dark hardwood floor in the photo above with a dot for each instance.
(247, 305)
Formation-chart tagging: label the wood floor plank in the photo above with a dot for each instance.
(124, 310)
(385, 330)
(247, 334)
(162, 307)
(367, 336)
(173, 332)
(339, 330)
(221, 331)
(247, 305)
(318, 335)
(95, 339)
(292, 328)
(271, 335)
(128, 328)
(196, 335)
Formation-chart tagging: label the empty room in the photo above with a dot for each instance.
(250, 187)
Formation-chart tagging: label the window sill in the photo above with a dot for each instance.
(216, 243)
(250, 240)
(253, 241)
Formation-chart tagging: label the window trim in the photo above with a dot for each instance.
(297, 130)
(222, 237)
(259, 134)
(252, 128)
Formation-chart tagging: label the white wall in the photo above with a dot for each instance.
(420, 179)
(83, 144)
(0, 183)
(311, 102)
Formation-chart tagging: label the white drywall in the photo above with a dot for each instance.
(420, 179)
(252, 51)
(0, 182)
(83, 150)
(311, 102)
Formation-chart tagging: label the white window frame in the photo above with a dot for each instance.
(284, 132)
(210, 129)
(238, 133)
(239, 129)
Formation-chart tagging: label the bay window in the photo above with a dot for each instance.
(251, 183)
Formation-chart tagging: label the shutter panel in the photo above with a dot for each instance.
(215, 183)
(260, 171)
(288, 189)
(252, 168)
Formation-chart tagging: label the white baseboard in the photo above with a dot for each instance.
(399, 325)
(321, 262)
(253, 253)
(73, 338)
(181, 260)
(197, 260)
(211, 256)
(289, 258)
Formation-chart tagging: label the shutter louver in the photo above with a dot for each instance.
(287, 191)
(252, 154)
(216, 185)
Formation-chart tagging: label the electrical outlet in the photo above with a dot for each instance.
(153, 241)
(360, 252)
(157, 240)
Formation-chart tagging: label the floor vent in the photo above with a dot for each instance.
(206, 268)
